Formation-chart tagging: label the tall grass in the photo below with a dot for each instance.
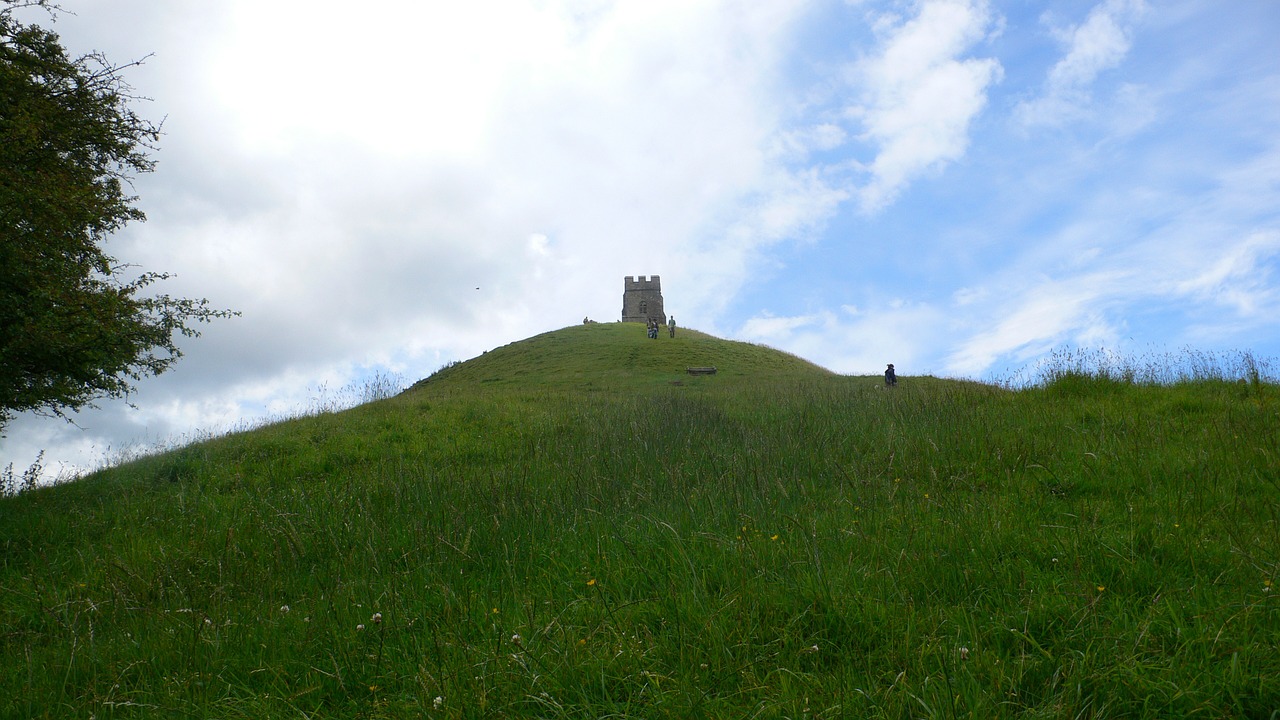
(1188, 365)
(789, 544)
(13, 482)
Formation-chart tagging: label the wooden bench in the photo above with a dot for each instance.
(701, 370)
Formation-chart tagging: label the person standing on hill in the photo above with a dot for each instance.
(890, 377)
(671, 325)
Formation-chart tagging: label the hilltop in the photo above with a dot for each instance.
(618, 355)
(571, 526)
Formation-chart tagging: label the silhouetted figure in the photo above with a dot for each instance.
(890, 377)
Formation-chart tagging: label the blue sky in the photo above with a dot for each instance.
(1108, 180)
(955, 186)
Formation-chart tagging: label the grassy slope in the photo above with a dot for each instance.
(617, 356)
(559, 529)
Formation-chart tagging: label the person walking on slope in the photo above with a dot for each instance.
(671, 325)
(890, 377)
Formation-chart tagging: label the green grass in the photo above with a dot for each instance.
(571, 526)
(618, 357)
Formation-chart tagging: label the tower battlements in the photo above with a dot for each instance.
(652, 282)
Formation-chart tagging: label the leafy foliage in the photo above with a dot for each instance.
(73, 325)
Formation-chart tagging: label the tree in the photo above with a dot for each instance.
(75, 323)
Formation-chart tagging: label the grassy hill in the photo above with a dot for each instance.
(571, 526)
(619, 356)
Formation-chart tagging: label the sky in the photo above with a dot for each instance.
(959, 187)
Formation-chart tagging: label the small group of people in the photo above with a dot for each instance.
(655, 327)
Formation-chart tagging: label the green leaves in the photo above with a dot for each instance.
(72, 327)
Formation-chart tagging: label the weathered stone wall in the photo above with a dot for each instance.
(642, 299)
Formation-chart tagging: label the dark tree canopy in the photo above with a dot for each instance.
(73, 325)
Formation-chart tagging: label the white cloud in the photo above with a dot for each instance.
(856, 340)
(968, 296)
(412, 77)
(768, 328)
(1032, 319)
(1097, 45)
(815, 138)
(539, 245)
(1238, 277)
(1086, 302)
(919, 95)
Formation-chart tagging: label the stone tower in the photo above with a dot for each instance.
(642, 299)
